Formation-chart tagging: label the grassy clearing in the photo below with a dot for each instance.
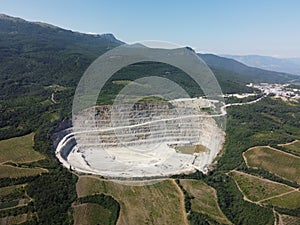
(11, 204)
(294, 146)
(280, 163)
(13, 219)
(19, 150)
(266, 135)
(56, 87)
(257, 189)
(151, 204)
(15, 172)
(205, 200)
(91, 214)
(191, 149)
(290, 220)
(122, 82)
(10, 190)
(126, 82)
(288, 201)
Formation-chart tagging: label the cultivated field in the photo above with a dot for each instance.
(11, 190)
(14, 172)
(278, 162)
(19, 150)
(257, 189)
(205, 200)
(15, 151)
(13, 219)
(290, 220)
(91, 214)
(160, 203)
(288, 201)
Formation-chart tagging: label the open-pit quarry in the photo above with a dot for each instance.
(145, 140)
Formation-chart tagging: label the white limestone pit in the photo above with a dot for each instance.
(145, 141)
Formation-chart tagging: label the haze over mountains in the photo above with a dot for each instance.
(244, 72)
(286, 65)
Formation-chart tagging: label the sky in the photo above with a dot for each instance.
(261, 27)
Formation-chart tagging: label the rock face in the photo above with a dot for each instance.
(139, 140)
(141, 124)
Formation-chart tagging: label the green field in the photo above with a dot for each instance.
(15, 172)
(19, 150)
(278, 162)
(288, 201)
(91, 214)
(257, 189)
(266, 135)
(160, 203)
(122, 82)
(10, 204)
(205, 200)
(4, 191)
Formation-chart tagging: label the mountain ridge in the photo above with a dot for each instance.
(260, 75)
(46, 55)
(47, 25)
(287, 65)
(35, 53)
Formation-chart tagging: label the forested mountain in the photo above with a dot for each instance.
(44, 54)
(38, 54)
(39, 60)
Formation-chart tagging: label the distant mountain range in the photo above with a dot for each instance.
(244, 73)
(286, 65)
